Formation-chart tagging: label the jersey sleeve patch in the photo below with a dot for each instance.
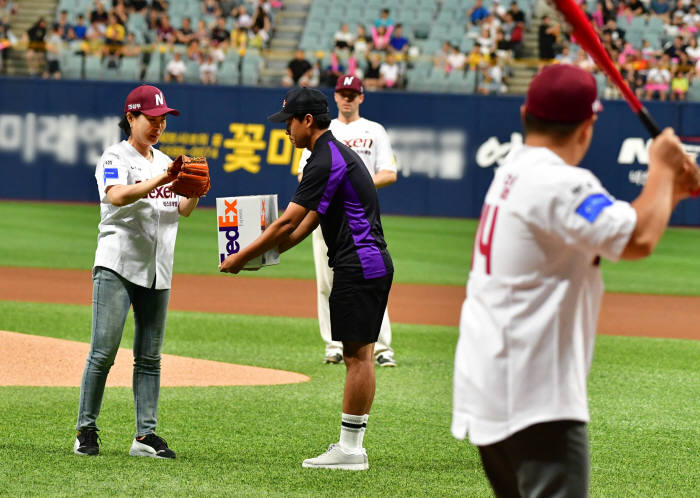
(592, 206)
(111, 173)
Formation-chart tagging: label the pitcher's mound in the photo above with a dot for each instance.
(30, 360)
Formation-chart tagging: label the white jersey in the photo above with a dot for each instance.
(138, 240)
(528, 324)
(368, 138)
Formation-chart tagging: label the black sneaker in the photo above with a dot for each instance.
(86, 442)
(151, 446)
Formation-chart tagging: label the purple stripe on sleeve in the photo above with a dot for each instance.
(338, 172)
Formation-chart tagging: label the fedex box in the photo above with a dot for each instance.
(241, 220)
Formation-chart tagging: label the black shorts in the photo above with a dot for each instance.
(357, 307)
(547, 459)
(52, 67)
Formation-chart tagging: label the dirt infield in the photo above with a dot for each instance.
(622, 314)
(57, 362)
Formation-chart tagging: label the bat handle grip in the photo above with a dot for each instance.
(648, 122)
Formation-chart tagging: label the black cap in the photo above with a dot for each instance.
(301, 100)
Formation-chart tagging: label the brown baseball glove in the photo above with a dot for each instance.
(191, 176)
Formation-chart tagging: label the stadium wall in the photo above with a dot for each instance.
(52, 133)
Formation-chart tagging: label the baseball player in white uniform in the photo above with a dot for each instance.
(371, 141)
(528, 323)
(133, 268)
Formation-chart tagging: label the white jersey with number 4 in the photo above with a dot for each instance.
(528, 324)
(368, 138)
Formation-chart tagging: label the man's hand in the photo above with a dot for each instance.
(688, 180)
(666, 152)
(232, 264)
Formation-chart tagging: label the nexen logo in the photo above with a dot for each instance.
(159, 192)
(228, 223)
(134, 106)
(359, 143)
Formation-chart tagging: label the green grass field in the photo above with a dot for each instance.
(425, 250)
(249, 441)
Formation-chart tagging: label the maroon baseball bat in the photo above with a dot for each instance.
(587, 38)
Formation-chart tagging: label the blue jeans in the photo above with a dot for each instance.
(111, 297)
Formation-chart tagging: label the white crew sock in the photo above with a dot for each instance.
(352, 431)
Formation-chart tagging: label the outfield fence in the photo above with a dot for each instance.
(447, 146)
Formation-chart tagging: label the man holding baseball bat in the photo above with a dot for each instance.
(528, 324)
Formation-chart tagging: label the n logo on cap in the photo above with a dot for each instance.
(159, 99)
(348, 80)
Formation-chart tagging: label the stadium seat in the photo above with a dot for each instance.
(250, 69)
(94, 69)
(638, 23)
(439, 32)
(228, 73)
(432, 45)
(130, 69)
(154, 69)
(471, 79)
(437, 81)
(71, 65)
(635, 37)
(466, 44)
(136, 23)
(623, 22)
(191, 72)
(601, 82)
(455, 81)
(455, 33)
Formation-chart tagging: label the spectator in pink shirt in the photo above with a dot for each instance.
(381, 36)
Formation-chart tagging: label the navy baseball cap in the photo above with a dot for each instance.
(301, 100)
(563, 93)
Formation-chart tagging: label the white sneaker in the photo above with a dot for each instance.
(337, 458)
(384, 360)
(151, 446)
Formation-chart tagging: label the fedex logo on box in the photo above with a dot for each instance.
(240, 220)
(228, 225)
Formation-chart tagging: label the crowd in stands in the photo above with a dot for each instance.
(379, 56)
(383, 54)
(497, 37)
(144, 29)
(653, 43)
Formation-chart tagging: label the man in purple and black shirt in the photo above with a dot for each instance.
(337, 192)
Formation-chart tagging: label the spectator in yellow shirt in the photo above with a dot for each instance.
(679, 85)
(476, 58)
(114, 36)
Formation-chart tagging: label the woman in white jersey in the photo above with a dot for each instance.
(133, 267)
(371, 142)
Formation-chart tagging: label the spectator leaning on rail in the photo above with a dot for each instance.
(298, 71)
